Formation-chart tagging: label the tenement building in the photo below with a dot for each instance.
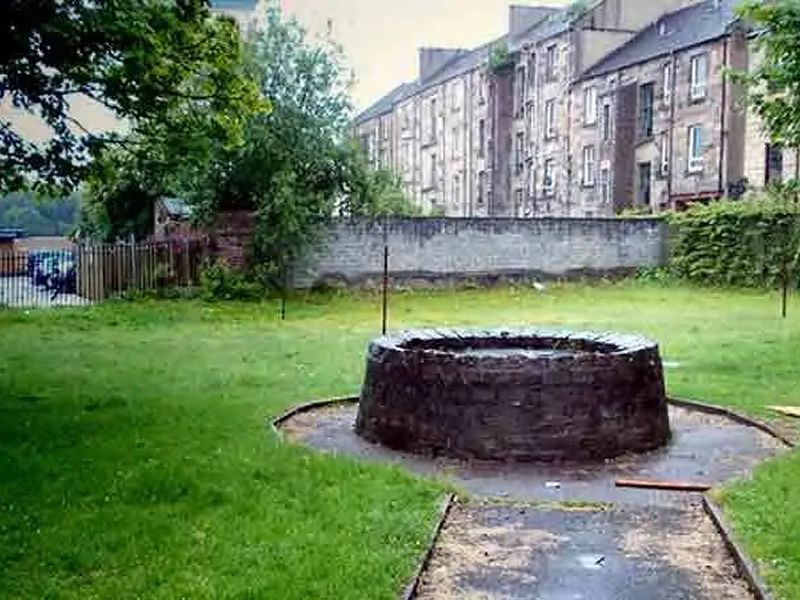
(622, 105)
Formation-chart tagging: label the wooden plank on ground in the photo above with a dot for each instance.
(787, 411)
(654, 484)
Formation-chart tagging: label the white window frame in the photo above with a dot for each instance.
(607, 124)
(551, 62)
(519, 152)
(520, 93)
(455, 96)
(698, 89)
(695, 163)
(455, 148)
(456, 191)
(589, 162)
(590, 105)
(549, 187)
(605, 185)
(664, 155)
(432, 118)
(666, 81)
(550, 119)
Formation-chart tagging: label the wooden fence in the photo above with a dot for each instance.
(106, 270)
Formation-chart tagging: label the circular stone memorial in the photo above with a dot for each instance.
(516, 395)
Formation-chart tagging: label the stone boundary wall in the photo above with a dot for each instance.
(436, 251)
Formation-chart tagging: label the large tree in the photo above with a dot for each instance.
(298, 166)
(169, 70)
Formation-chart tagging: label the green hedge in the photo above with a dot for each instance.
(736, 243)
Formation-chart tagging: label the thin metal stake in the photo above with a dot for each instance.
(385, 287)
(283, 292)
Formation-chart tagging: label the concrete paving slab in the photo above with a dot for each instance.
(512, 552)
(704, 448)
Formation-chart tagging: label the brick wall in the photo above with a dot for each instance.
(430, 251)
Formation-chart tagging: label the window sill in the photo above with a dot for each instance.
(590, 125)
(644, 139)
(587, 186)
(698, 100)
(428, 143)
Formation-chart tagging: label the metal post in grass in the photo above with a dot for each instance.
(385, 307)
(284, 286)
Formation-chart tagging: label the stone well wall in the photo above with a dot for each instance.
(514, 395)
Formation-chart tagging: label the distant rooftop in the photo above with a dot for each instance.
(679, 30)
(233, 4)
(553, 24)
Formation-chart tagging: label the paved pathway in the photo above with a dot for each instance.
(645, 546)
(520, 552)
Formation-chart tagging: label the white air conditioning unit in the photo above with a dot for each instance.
(695, 165)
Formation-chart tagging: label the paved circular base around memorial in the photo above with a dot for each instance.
(515, 395)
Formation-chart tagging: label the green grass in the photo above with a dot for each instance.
(135, 461)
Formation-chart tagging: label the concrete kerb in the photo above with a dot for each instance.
(747, 569)
(410, 590)
(275, 424)
(732, 415)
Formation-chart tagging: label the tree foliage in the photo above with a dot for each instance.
(40, 216)
(297, 167)
(753, 243)
(168, 69)
(773, 82)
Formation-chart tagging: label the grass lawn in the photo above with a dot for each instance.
(135, 461)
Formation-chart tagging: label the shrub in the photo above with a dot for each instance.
(219, 282)
(737, 243)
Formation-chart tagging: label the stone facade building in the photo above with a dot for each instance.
(623, 105)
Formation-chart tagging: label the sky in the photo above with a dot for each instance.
(381, 37)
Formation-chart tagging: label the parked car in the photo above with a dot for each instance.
(53, 270)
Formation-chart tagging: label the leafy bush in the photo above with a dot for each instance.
(219, 282)
(738, 243)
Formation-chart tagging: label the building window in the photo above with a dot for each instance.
(481, 187)
(550, 62)
(695, 164)
(646, 110)
(519, 84)
(432, 120)
(590, 106)
(606, 121)
(773, 163)
(406, 156)
(605, 185)
(550, 119)
(455, 96)
(698, 73)
(666, 81)
(531, 74)
(644, 184)
(456, 191)
(549, 177)
(519, 153)
(588, 166)
(518, 203)
(432, 174)
(481, 137)
(481, 88)
(663, 155)
(456, 143)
